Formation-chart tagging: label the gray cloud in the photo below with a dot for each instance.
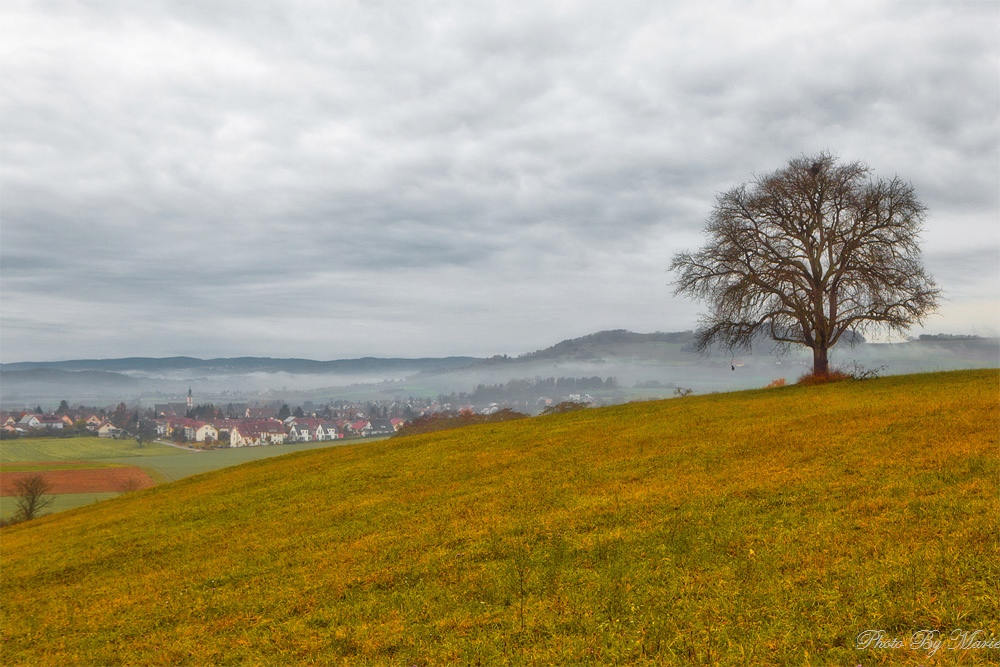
(303, 179)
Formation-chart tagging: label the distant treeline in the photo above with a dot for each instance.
(529, 388)
(939, 337)
(443, 421)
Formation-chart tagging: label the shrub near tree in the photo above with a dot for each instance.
(809, 255)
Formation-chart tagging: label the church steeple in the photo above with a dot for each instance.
(190, 402)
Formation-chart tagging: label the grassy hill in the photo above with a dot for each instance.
(768, 527)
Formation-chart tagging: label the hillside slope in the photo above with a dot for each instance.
(768, 527)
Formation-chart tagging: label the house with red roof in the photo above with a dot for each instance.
(31, 420)
(9, 421)
(194, 430)
(109, 430)
(360, 427)
(224, 427)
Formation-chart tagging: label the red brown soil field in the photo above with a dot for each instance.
(89, 480)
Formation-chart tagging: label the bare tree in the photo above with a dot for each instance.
(809, 255)
(31, 500)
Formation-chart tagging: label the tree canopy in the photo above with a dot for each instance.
(808, 255)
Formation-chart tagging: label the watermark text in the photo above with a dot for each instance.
(927, 641)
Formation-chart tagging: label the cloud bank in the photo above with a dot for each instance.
(331, 180)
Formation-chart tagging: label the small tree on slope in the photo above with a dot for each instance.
(31, 500)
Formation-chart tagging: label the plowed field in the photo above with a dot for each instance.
(77, 480)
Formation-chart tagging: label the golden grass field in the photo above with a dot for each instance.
(769, 527)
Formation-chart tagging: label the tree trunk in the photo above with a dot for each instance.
(821, 365)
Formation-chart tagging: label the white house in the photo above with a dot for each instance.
(206, 433)
(310, 429)
(109, 430)
(257, 432)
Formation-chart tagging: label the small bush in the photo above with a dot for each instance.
(780, 382)
(565, 406)
(31, 497)
(858, 372)
(862, 373)
(130, 484)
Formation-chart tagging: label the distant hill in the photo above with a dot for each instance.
(71, 378)
(606, 343)
(236, 365)
(643, 365)
(102, 380)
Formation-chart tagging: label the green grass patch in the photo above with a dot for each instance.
(42, 466)
(78, 449)
(184, 463)
(769, 527)
(61, 502)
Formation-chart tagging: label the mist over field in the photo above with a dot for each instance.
(640, 366)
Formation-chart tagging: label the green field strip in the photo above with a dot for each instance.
(61, 502)
(43, 466)
(77, 449)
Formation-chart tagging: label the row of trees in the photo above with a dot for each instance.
(529, 389)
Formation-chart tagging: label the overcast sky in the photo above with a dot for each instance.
(342, 179)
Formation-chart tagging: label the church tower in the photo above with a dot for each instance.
(190, 402)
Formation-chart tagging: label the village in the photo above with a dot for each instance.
(209, 425)
(205, 426)
(226, 432)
